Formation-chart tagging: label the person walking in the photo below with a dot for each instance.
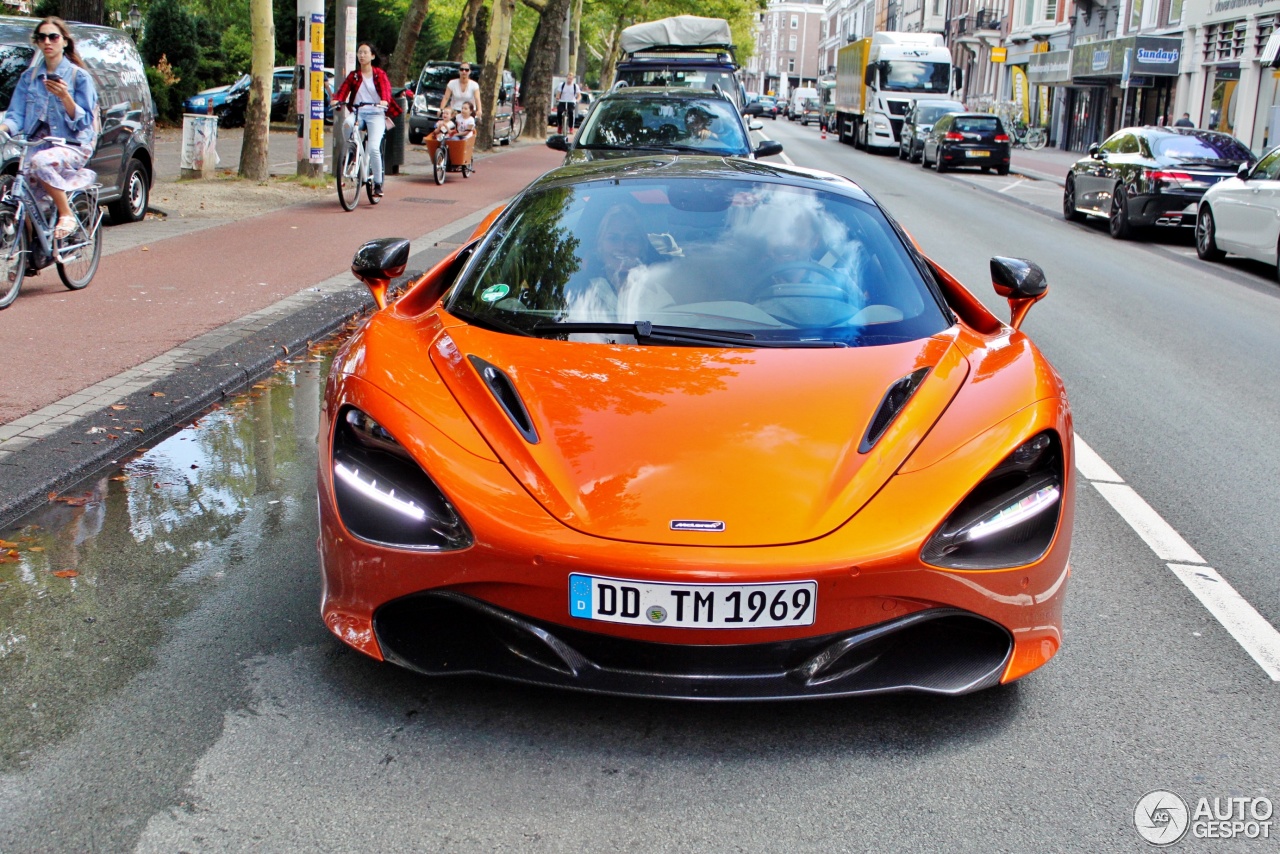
(367, 91)
(1184, 122)
(56, 97)
(462, 90)
(567, 97)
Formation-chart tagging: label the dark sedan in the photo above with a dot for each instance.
(966, 139)
(1150, 176)
(636, 120)
(918, 121)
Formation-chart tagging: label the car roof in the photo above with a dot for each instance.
(665, 166)
(673, 93)
(14, 28)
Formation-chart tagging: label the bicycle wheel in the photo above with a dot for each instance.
(441, 162)
(1036, 138)
(349, 179)
(79, 253)
(13, 256)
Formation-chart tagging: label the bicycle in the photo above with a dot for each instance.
(26, 232)
(1030, 138)
(354, 171)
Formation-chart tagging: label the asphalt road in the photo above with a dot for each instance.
(226, 719)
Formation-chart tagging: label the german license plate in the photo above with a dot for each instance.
(696, 606)
(977, 154)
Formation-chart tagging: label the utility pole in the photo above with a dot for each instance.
(309, 74)
(344, 62)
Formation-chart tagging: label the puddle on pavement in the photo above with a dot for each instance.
(90, 583)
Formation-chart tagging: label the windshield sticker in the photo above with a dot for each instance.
(493, 293)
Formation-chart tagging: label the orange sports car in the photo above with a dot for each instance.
(697, 428)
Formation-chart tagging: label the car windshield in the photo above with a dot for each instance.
(14, 60)
(436, 77)
(930, 114)
(900, 75)
(705, 125)
(1200, 146)
(977, 124)
(737, 262)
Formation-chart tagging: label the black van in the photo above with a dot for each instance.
(424, 112)
(123, 159)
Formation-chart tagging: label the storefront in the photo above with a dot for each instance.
(1049, 75)
(1099, 70)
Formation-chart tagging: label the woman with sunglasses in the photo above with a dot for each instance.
(56, 97)
(462, 90)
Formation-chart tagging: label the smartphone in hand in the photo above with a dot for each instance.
(55, 78)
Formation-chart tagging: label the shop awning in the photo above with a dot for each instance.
(1152, 56)
(1271, 51)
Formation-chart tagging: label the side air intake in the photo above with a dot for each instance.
(504, 391)
(895, 399)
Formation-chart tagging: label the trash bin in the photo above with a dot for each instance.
(395, 139)
(199, 156)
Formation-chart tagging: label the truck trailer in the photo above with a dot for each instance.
(879, 77)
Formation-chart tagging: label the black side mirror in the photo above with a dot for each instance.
(1021, 282)
(1244, 171)
(558, 141)
(1095, 151)
(378, 262)
(768, 148)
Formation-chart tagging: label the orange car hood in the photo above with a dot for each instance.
(634, 438)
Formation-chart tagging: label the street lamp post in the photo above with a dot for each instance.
(135, 21)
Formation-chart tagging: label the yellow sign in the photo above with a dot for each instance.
(1020, 92)
(1041, 47)
(317, 37)
(998, 54)
(317, 135)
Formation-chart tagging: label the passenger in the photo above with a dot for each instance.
(621, 285)
(445, 127)
(466, 123)
(697, 125)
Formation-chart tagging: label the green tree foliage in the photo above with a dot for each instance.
(171, 31)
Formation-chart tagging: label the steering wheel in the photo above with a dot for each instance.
(835, 284)
(668, 133)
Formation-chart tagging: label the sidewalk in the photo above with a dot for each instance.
(180, 314)
(1047, 164)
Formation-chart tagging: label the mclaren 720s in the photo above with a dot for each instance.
(699, 428)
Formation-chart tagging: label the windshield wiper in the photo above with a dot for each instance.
(490, 323)
(643, 331)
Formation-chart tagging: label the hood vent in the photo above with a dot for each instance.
(504, 391)
(895, 399)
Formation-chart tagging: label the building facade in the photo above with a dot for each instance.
(788, 46)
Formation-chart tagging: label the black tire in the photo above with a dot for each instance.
(135, 193)
(348, 179)
(440, 162)
(1002, 170)
(466, 170)
(924, 161)
(1069, 212)
(1207, 236)
(1118, 218)
(83, 247)
(938, 165)
(913, 156)
(902, 154)
(13, 255)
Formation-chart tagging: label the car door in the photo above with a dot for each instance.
(1256, 212)
(936, 133)
(1094, 176)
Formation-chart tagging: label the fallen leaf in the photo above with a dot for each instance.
(118, 406)
(11, 553)
(138, 430)
(66, 573)
(260, 385)
(36, 549)
(5, 544)
(112, 436)
(146, 249)
(121, 477)
(157, 394)
(52, 496)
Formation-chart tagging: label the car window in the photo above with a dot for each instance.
(626, 121)
(1269, 167)
(927, 115)
(1203, 145)
(14, 60)
(1113, 144)
(977, 124)
(943, 123)
(1128, 144)
(700, 253)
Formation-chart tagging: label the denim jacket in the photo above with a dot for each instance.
(32, 103)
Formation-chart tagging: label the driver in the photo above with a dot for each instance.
(697, 125)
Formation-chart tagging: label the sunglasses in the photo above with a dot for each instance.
(48, 37)
(468, 70)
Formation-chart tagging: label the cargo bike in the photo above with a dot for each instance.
(454, 155)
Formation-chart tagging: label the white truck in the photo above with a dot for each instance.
(879, 77)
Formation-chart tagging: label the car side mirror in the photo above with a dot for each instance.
(755, 125)
(1096, 152)
(1244, 171)
(768, 148)
(558, 141)
(1021, 282)
(379, 261)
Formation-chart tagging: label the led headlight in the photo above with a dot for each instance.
(383, 495)
(1010, 517)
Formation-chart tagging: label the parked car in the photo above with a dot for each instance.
(424, 112)
(690, 427)
(585, 100)
(916, 123)
(232, 111)
(768, 106)
(1150, 176)
(966, 139)
(802, 99)
(643, 119)
(808, 110)
(1241, 215)
(210, 101)
(124, 158)
(685, 51)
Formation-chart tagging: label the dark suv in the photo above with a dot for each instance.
(123, 158)
(425, 110)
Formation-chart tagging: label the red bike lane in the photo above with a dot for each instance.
(146, 300)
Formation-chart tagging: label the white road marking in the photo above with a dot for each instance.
(1242, 620)
(1250, 629)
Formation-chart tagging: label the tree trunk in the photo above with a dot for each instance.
(575, 32)
(609, 63)
(257, 123)
(466, 25)
(84, 11)
(407, 42)
(491, 78)
(482, 34)
(535, 82)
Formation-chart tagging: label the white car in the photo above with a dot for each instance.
(1241, 215)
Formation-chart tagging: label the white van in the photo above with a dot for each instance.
(803, 105)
